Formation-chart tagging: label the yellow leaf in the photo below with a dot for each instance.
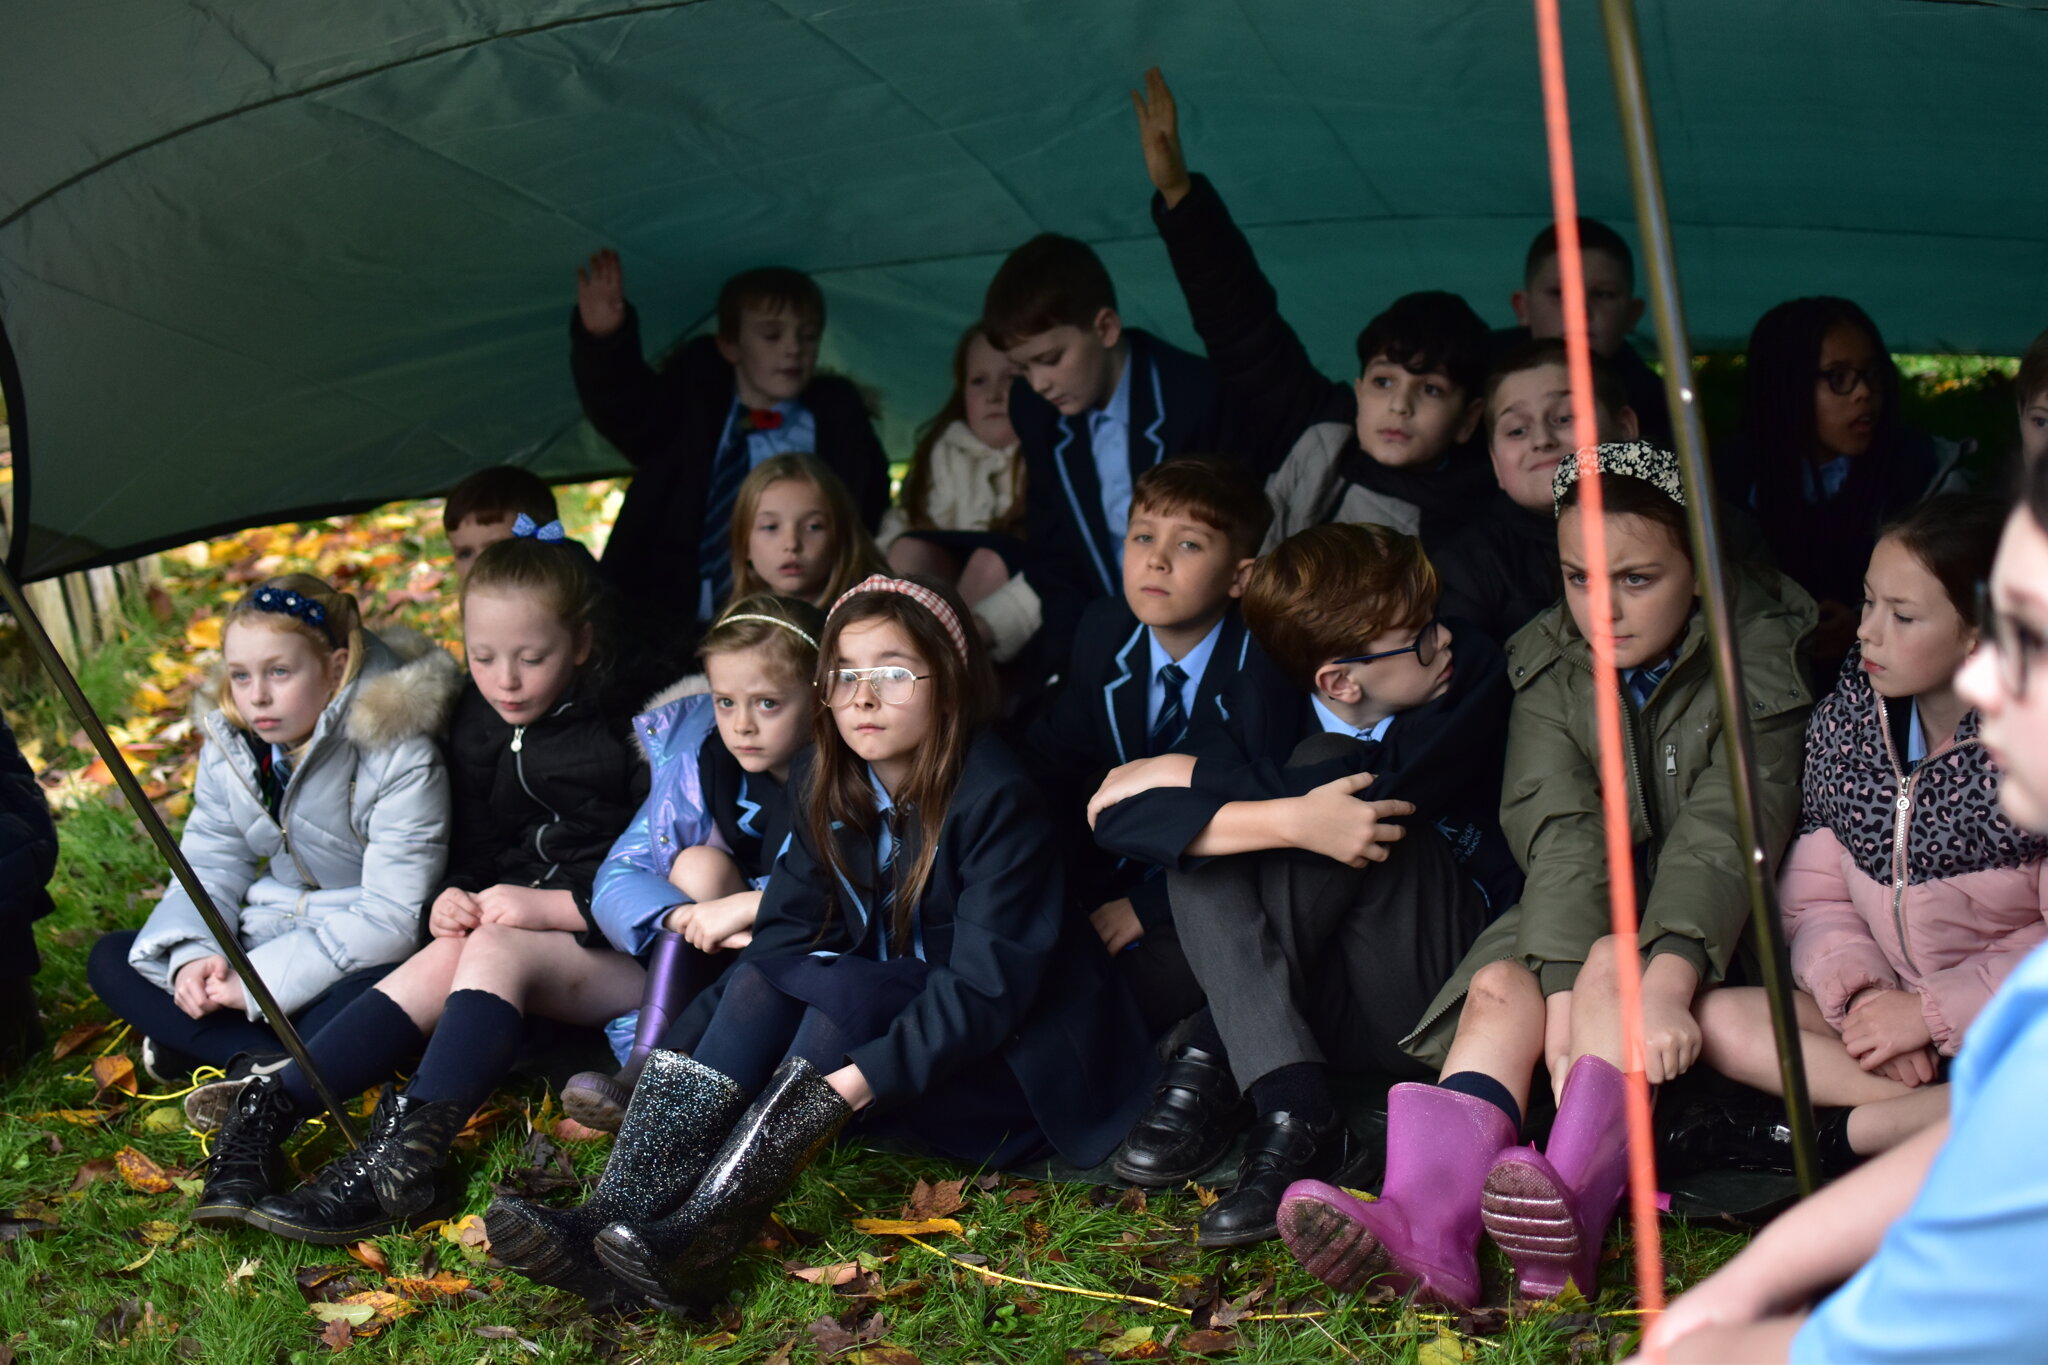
(1204, 1195)
(140, 1261)
(114, 1073)
(441, 1283)
(159, 1230)
(245, 1271)
(1447, 1349)
(164, 1118)
(354, 1314)
(899, 1227)
(203, 633)
(149, 697)
(1362, 1196)
(714, 1341)
(138, 1172)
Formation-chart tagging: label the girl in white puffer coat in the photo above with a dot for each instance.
(319, 825)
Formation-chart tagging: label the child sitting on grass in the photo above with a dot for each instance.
(1540, 988)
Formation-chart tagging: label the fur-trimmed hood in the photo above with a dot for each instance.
(406, 688)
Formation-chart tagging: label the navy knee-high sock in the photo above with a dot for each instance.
(471, 1050)
(360, 1046)
(1481, 1086)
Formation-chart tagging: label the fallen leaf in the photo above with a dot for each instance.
(350, 1314)
(443, 1284)
(929, 1201)
(140, 1261)
(1209, 1342)
(116, 1323)
(245, 1271)
(714, 1341)
(468, 1233)
(1131, 1200)
(113, 1073)
(99, 1168)
(829, 1337)
(824, 1274)
(164, 1119)
(158, 1231)
(74, 1039)
(1203, 1195)
(336, 1335)
(84, 1118)
(569, 1130)
(1446, 1348)
(898, 1227)
(885, 1353)
(371, 1255)
(780, 1355)
(494, 1332)
(325, 1283)
(1135, 1344)
(138, 1172)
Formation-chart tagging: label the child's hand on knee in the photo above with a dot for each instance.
(526, 907)
(1671, 1040)
(454, 913)
(225, 991)
(716, 922)
(189, 988)
(1333, 821)
(1140, 775)
(1912, 1068)
(1116, 924)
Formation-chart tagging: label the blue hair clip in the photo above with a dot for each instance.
(285, 602)
(524, 527)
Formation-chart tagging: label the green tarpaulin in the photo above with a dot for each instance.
(262, 259)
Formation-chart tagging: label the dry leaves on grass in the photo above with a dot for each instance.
(928, 1200)
(74, 1039)
(901, 1227)
(139, 1172)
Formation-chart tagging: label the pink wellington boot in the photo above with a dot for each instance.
(1423, 1232)
(1549, 1210)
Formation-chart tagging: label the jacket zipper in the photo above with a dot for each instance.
(284, 836)
(1902, 823)
(554, 816)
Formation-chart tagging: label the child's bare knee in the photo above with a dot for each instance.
(1503, 987)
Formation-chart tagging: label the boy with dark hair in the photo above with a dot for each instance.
(482, 509)
(1321, 942)
(1395, 447)
(1097, 404)
(1144, 666)
(1612, 311)
(1501, 571)
(694, 428)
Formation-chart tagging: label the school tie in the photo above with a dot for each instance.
(728, 471)
(885, 878)
(1172, 724)
(1645, 681)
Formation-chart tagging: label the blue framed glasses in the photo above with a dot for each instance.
(1424, 649)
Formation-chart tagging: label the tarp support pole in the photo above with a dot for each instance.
(1653, 223)
(153, 825)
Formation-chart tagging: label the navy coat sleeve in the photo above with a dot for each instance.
(1273, 389)
(631, 406)
(28, 840)
(997, 846)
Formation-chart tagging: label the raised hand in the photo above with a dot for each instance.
(601, 294)
(1159, 135)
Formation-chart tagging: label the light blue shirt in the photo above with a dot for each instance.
(883, 802)
(1958, 1277)
(1821, 482)
(1194, 663)
(1334, 724)
(1109, 435)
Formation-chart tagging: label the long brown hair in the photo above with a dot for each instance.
(963, 700)
(854, 553)
(915, 495)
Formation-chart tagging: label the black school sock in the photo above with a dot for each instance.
(1299, 1088)
(471, 1051)
(360, 1046)
(1837, 1157)
(1481, 1086)
(1203, 1036)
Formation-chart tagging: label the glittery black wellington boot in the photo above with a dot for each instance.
(247, 1161)
(680, 1112)
(398, 1178)
(678, 1263)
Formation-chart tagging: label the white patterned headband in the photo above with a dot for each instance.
(923, 596)
(1632, 459)
(790, 626)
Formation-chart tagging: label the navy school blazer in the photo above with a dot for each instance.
(1445, 756)
(1096, 721)
(1073, 556)
(751, 810)
(1013, 972)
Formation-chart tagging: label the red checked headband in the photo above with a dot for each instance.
(924, 597)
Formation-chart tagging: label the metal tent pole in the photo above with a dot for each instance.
(1653, 221)
(153, 825)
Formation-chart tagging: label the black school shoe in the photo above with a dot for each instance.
(1745, 1132)
(398, 1178)
(1281, 1149)
(1195, 1112)
(247, 1162)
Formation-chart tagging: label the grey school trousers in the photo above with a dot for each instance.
(1307, 960)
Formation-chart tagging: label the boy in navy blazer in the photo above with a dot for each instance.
(1097, 405)
(1146, 666)
(695, 427)
(1366, 808)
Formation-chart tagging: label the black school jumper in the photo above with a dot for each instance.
(1303, 958)
(668, 422)
(1073, 559)
(1004, 971)
(1097, 721)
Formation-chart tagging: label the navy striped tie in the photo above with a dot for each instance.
(1172, 724)
(714, 549)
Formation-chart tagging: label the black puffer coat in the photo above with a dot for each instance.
(539, 804)
(28, 855)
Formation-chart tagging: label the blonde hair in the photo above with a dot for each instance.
(788, 628)
(854, 553)
(342, 629)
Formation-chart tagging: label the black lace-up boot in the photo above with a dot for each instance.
(397, 1178)
(678, 1262)
(247, 1161)
(681, 1111)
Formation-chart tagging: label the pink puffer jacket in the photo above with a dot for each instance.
(1949, 911)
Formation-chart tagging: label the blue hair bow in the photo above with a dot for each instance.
(285, 602)
(525, 528)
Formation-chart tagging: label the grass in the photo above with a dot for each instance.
(118, 1273)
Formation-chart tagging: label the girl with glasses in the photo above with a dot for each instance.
(1939, 1240)
(913, 968)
